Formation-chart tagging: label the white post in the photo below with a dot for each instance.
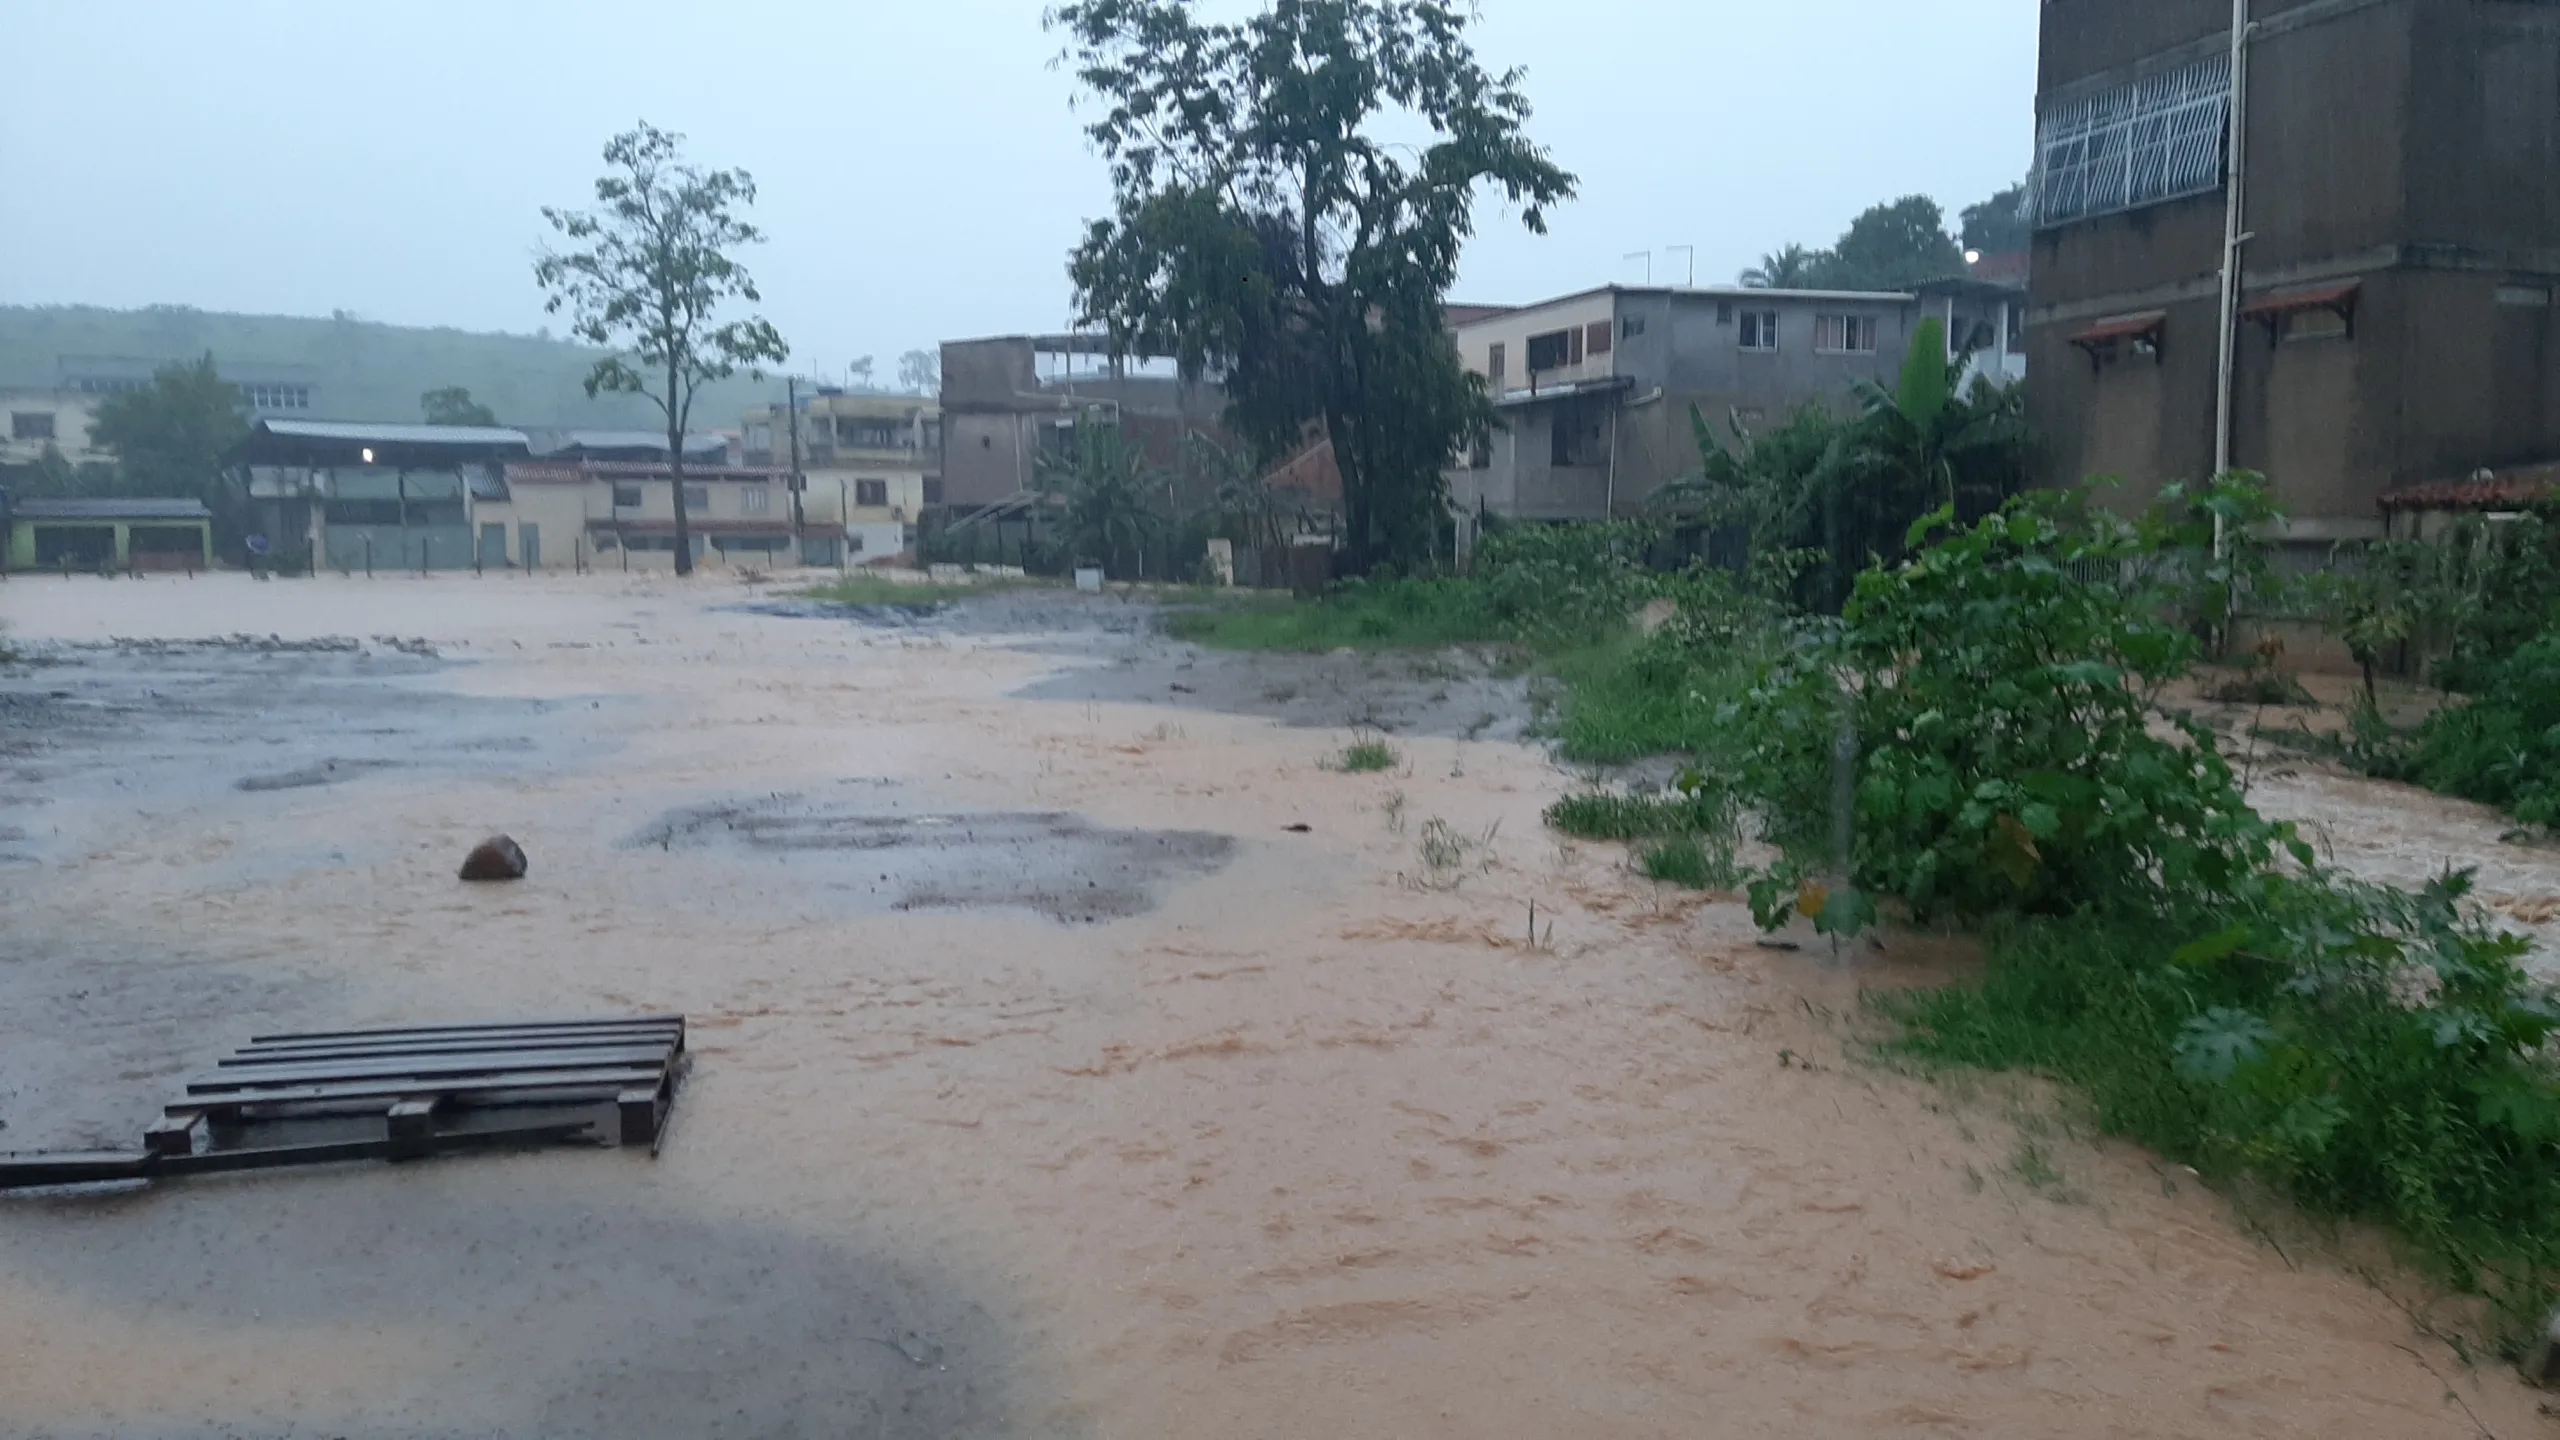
(2235, 214)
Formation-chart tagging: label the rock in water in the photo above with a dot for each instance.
(496, 858)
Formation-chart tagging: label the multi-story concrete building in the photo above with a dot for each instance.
(2396, 322)
(869, 465)
(425, 497)
(30, 420)
(1008, 401)
(1595, 390)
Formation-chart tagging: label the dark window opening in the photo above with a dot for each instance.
(1578, 436)
(1599, 337)
(31, 425)
(626, 497)
(871, 492)
(1551, 351)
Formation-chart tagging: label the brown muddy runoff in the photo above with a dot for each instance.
(1049, 1080)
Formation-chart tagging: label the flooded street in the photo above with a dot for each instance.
(1076, 1055)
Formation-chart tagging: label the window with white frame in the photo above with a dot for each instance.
(1759, 330)
(1844, 334)
(754, 500)
(2137, 144)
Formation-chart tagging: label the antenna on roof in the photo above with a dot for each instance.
(1647, 257)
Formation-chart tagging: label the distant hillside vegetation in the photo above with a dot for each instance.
(354, 369)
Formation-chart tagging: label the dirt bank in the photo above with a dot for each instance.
(1299, 1134)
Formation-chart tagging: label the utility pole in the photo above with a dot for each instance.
(791, 404)
(2234, 239)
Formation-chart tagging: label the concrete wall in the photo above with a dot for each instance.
(1512, 330)
(1685, 351)
(71, 416)
(2410, 146)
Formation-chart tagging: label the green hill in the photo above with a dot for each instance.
(352, 369)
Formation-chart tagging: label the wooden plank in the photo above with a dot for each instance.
(264, 1058)
(279, 1156)
(472, 1028)
(173, 1133)
(75, 1167)
(402, 1044)
(429, 1067)
(545, 1087)
(411, 1125)
(642, 1109)
(386, 1037)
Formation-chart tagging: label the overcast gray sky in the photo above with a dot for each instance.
(922, 173)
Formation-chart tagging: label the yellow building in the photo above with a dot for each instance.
(870, 464)
(620, 515)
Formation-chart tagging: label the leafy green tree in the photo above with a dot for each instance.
(1793, 268)
(920, 372)
(52, 476)
(1111, 494)
(171, 437)
(453, 405)
(1894, 246)
(1247, 507)
(1849, 490)
(1291, 192)
(651, 271)
(2000, 223)
(1929, 446)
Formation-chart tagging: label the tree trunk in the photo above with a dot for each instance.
(1352, 466)
(675, 475)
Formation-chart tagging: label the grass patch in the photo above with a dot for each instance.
(1599, 815)
(1371, 756)
(877, 592)
(2348, 1103)
(1403, 615)
(1694, 862)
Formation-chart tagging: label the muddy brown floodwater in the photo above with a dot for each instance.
(1077, 1056)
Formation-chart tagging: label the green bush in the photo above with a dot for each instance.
(2367, 1052)
(2502, 748)
(1999, 691)
(2371, 1053)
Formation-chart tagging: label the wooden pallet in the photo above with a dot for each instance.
(420, 1079)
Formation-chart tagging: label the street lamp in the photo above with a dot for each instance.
(368, 455)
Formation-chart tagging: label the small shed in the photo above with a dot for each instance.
(94, 535)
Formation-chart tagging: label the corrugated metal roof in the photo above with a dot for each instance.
(134, 509)
(473, 435)
(650, 440)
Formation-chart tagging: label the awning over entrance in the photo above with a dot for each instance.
(2339, 297)
(2142, 330)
